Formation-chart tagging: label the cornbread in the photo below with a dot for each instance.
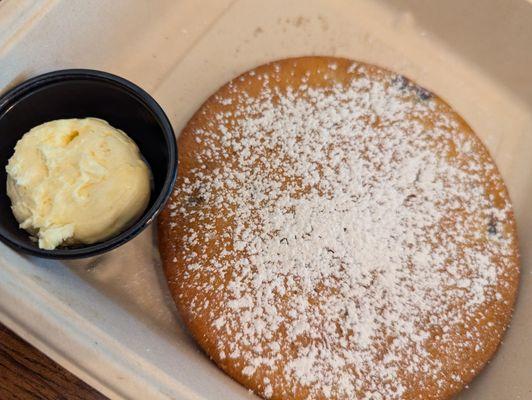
(339, 232)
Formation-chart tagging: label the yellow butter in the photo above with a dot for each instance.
(76, 181)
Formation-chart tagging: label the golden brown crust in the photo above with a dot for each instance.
(201, 295)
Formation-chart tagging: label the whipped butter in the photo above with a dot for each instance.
(76, 181)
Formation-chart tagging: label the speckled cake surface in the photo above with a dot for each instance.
(338, 232)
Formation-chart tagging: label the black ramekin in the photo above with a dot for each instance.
(80, 93)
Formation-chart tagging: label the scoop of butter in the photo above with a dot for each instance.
(74, 181)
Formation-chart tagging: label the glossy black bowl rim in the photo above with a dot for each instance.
(27, 87)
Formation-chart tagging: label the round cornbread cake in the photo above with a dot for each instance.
(338, 232)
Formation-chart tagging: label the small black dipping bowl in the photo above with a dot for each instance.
(80, 93)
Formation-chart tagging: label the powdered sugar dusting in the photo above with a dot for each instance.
(356, 235)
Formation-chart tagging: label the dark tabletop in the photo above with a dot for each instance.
(27, 374)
